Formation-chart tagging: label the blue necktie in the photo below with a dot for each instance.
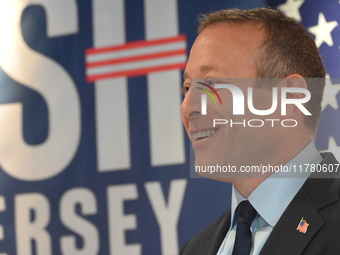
(245, 216)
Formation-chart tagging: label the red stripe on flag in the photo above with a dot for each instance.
(135, 72)
(136, 44)
(136, 58)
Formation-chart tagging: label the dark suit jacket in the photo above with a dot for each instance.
(317, 201)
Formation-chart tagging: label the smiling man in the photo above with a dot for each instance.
(265, 51)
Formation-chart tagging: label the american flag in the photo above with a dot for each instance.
(136, 58)
(302, 227)
(321, 19)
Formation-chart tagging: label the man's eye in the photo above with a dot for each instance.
(210, 82)
(185, 90)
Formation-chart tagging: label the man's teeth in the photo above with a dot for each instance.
(204, 133)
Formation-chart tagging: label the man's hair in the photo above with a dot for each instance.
(287, 49)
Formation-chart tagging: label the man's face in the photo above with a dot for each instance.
(223, 51)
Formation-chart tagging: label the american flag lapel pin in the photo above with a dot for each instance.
(302, 227)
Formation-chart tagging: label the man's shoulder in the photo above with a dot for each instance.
(327, 170)
(328, 157)
(324, 186)
(325, 193)
(318, 203)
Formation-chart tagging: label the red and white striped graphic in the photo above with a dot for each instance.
(136, 58)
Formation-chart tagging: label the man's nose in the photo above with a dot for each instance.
(191, 105)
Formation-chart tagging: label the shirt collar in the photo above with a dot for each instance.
(271, 205)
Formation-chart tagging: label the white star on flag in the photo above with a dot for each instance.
(291, 9)
(323, 30)
(329, 95)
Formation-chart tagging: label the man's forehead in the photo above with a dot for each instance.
(203, 69)
(226, 49)
(242, 33)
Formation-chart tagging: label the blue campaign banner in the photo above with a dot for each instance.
(93, 155)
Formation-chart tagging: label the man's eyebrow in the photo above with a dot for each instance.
(207, 68)
(203, 69)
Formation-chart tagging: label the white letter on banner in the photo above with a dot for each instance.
(111, 95)
(167, 214)
(51, 81)
(2, 209)
(164, 97)
(119, 222)
(85, 229)
(32, 215)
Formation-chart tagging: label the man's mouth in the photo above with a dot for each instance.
(203, 134)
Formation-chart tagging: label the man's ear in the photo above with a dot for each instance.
(295, 81)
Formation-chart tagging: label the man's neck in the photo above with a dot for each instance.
(247, 185)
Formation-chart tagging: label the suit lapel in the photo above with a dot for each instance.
(221, 233)
(285, 239)
(314, 195)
